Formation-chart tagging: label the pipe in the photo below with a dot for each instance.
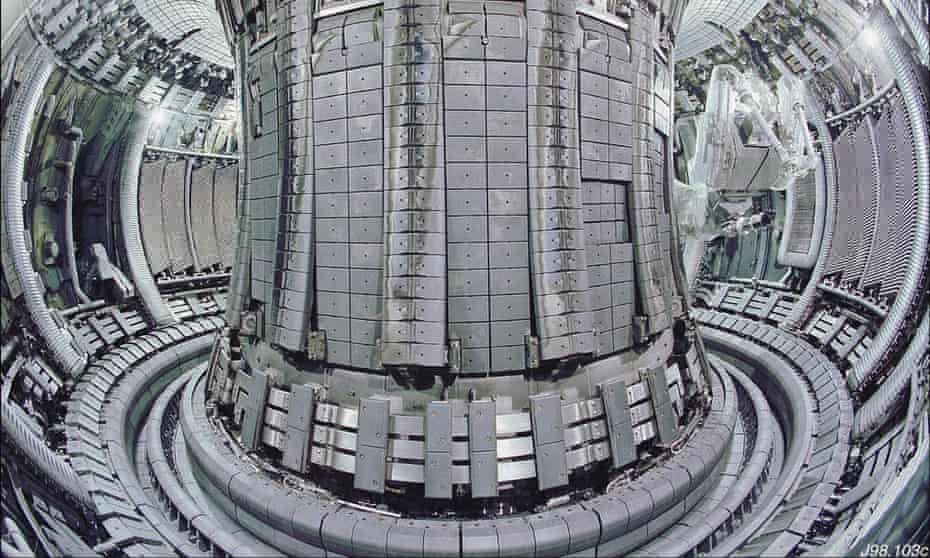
(15, 145)
(917, 28)
(191, 153)
(81, 308)
(801, 310)
(912, 290)
(77, 138)
(129, 221)
(876, 410)
(41, 456)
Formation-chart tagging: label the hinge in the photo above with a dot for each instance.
(454, 357)
(532, 351)
(640, 328)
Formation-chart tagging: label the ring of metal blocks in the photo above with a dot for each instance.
(332, 439)
(187, 517)
(736, 493)
(94, 429)
(614, 523)
(827, 460)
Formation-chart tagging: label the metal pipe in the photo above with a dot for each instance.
(15, 146)
(40, 455)
(802, 308)
(129, 221)
(876, 410)
(192, 279)
(912, 92)
(191, 153)
(77, 138)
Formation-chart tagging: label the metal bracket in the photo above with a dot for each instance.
(533, 358)
(379, 356)
(250, 323)
(640, 328)
(454, 357)
(316, 345)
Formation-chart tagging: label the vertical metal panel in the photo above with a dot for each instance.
(414, 202)
(553, 165)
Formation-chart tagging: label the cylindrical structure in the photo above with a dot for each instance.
(458, 281)
(130, 227)
(22, 113)
(913, 86)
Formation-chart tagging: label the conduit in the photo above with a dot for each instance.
(15, 145)
(129, 220)
(912, 289)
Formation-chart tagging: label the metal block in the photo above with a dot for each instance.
(299, 423)
(330, 156)
(506, 73)
(373, 422)
(465, 97)
(479, 539)
(584, 528)
(509, 255)
(508, 228)
(465, 150)
(483, 474)
(437, 475)
(619, 422)
(551, 467)
(254, 407)
(329, 84)
(471, 335)
(551, 535)
(506, 98)
(465, 123)
(442, 539)
(468, 282)
(476, 360)
(370, 469)
(361, 153)
(405, 539)
(466, 175)
(467, 202)
(366, 204)
(363, 128)
(469, 47)
(329, 131)
(464, 72)
(365, 178)
(515, 537)
(468, 255)
(364, 79)
(333, 279)
(506, 149)
(363, 103)
(504, 358)
(546, 416)
(439, 427)
(329, 108)
(469, 309)
(482, 426)
(509, 281)
(666, 422)
(370, 535)
(510, 307)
